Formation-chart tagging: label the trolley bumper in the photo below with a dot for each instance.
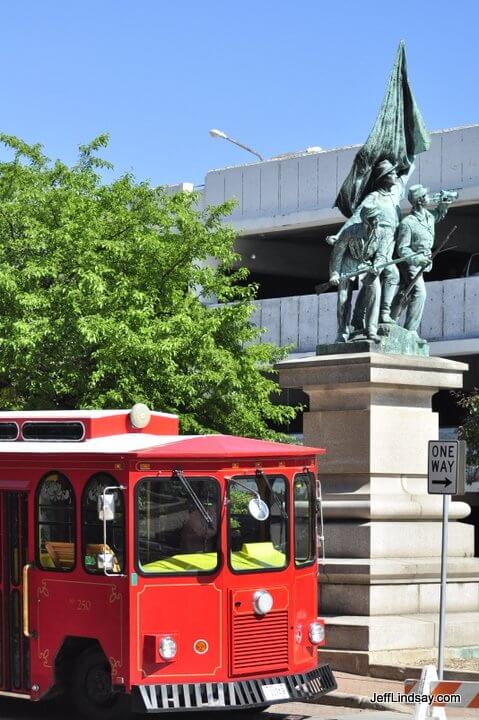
(234, 694)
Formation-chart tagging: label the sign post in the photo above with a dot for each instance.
(445, 476)
(442, 600)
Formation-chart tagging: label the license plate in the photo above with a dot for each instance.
(279, 691)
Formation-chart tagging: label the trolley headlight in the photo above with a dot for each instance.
(262, 602)
(316, 633)
(167, 648)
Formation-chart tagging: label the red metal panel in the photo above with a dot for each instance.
(187, 609)
(120, 424)
(260, 644)
(16, 485)
(75, 603)
(120, 614)
(2, 594)
(303, 612)
(228, 446)
(111, 423)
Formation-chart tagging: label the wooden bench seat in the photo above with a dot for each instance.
(62, 554)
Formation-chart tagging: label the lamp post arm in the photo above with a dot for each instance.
(245, 147)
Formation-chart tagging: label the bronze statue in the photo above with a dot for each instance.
(416, 235)
(378, 178)
(387, 190)
(360, 249)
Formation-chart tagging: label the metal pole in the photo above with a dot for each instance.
(245, 147)
(442, 601)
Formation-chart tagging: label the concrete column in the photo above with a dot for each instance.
(380, 581)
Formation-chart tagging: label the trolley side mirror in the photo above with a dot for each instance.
(106, 512)
(106, 507)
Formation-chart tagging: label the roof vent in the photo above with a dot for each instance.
(140, 415)
(53, 431)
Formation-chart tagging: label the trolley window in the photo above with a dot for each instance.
(53, 431)
(8, 431)
(304, 519)
(258, 544)
(96, 555)
(55, 523)
(177, 525)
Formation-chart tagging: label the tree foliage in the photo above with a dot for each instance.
(101, 287)
(469, 431)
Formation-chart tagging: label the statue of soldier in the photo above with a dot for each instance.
(388, 190)
(416, 234)
(360, 248)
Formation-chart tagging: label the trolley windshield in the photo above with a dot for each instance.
(258, 543)
(177, 524)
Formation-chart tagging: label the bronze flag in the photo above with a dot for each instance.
(399, 134)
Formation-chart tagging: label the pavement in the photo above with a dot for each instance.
(355, 699)
(364, 692)
(303, 711)
(358, 691)
(23, 710)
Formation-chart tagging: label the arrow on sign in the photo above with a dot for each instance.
(446, 482)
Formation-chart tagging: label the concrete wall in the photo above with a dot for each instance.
(451, 313)
(300, 191)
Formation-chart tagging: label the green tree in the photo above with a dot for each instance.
(100, 301)
(469, 430)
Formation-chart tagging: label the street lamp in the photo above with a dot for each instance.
(220, 134)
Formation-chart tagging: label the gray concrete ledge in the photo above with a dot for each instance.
(373, 359)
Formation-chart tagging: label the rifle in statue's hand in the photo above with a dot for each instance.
(402, 298)
(363, 269)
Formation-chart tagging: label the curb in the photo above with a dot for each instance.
(404, 672)
(342, 699)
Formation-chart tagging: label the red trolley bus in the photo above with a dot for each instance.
(173, 572)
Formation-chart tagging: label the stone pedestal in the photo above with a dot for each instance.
(380, 581)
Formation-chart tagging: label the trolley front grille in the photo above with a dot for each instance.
(237, 694)
(259, 643)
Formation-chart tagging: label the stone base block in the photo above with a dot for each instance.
(382, 664)
(392, 507)
(396, 539)
(357, 663)
(366, 440)
(349, 632)
(392, 571)
(372, 412)
(395, 632)
(397, 599)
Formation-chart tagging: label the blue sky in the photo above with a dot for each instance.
(276, 74)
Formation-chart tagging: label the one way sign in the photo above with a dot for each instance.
(446, 467)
